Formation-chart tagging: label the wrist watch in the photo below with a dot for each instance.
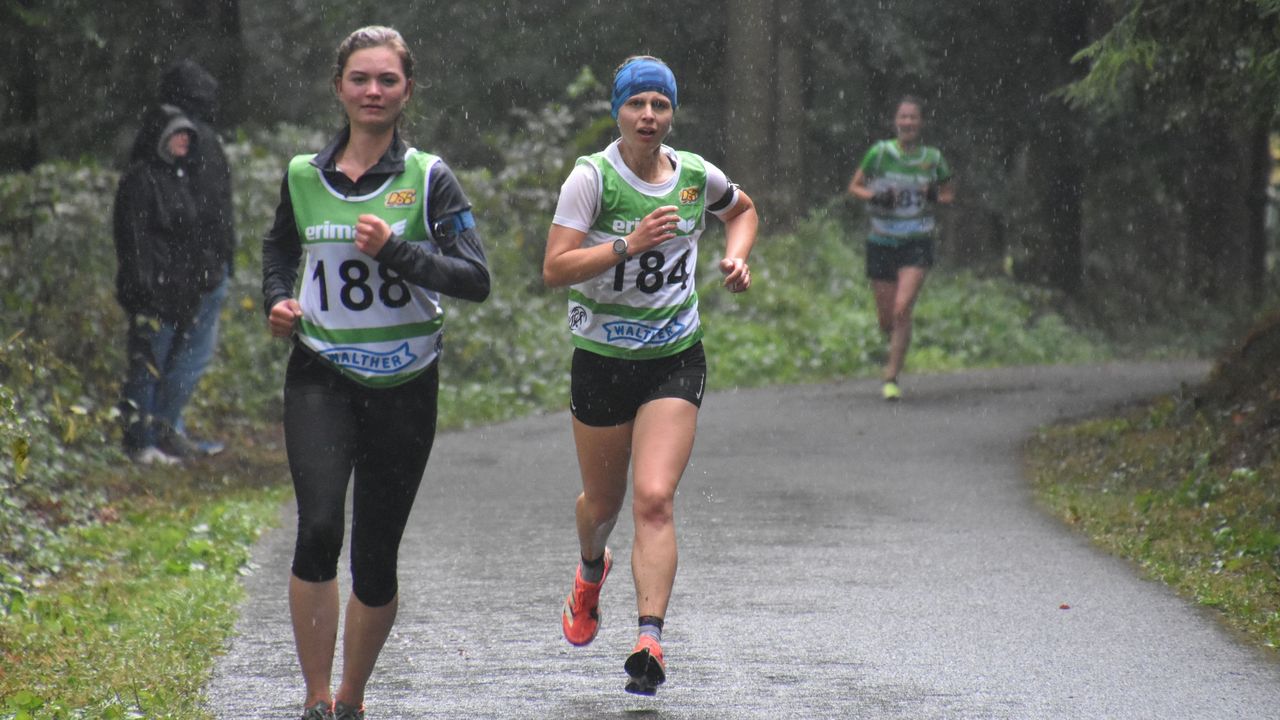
(620, 246)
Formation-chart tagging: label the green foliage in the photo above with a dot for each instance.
(51, 432)
(57, 225)
(1177, 98)
(1113, 61)
(516, 202)
(1160, 485)
(517, 335)
(1195, 56)
(810, 315)
(147, 596)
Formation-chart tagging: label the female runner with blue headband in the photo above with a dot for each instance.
(624, 239)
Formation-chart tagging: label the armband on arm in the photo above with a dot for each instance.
(447, 229)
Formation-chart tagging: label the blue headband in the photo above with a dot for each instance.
(642, 75)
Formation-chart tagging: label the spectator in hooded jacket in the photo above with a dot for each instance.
(165, 269)
(189, 89)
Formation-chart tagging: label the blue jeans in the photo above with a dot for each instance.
(166, 361)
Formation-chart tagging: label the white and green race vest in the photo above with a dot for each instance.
(357, 313)
(908, 177)
(646, 307)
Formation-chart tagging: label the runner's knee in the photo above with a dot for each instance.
(315, 556)
(902, 315)
(600, 510)
(373, 578)
(653, 507)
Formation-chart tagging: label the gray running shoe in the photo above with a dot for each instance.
(152, 455)
(319, 711)
(343, 711)
(174, 443)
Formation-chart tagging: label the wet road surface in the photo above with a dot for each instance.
(841, 557)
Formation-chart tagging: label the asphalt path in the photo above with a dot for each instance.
(841, 557)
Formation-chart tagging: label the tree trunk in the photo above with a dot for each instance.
(1210, 189)
(750, 66)
(790, 181)
(1065, 201)
(1067, 229)
(1258, 159)
(19, 136)
(231, 65)
(1057, 179)
(213, 38)
(1054, 176)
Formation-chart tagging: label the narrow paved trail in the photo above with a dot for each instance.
(840, 558)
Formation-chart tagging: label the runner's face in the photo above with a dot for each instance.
(373, 89)
(907, 122)
(645, 119)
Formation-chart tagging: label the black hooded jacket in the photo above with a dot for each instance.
(190, 88)
(164, 262)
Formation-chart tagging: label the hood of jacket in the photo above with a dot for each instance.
(158, 123)
(191, 88)
(176, 122)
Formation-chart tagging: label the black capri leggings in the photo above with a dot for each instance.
(333, 426)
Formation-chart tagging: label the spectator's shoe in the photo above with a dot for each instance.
(645, 667)
(152, 455)
(891, 391)
(580, 619)
(208, 447)
(179, 445)
(319, 711)
(343, 711)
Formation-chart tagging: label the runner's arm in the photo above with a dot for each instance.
(281, 252)
(858, 186)
(460, 269)
(740, 225)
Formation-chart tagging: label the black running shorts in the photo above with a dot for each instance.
(884, 261)
(608, 391)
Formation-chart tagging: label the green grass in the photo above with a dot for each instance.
(1153, 486)
(146, 598)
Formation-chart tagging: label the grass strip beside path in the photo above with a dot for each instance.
(149, 599)
(1153, 485)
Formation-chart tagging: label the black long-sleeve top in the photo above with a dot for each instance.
(460, 270)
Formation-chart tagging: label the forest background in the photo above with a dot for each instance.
(1114, 160)
(1150, 175)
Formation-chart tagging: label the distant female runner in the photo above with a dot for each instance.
(385, 229)
(625, 240)
(902, 180)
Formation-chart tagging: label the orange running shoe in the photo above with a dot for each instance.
(581, 617)
(645, 667)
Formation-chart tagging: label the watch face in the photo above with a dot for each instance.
(620, 246)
